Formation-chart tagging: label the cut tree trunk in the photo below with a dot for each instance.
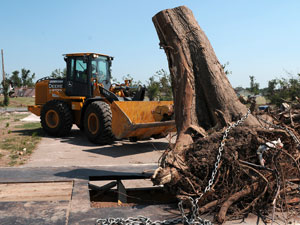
(203, 96)
(204, 99)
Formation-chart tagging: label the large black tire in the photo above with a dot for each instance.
(97, 123)
(56, 118)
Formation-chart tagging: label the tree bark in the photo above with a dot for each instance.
(203, 96)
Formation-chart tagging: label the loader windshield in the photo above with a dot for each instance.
(100, 70)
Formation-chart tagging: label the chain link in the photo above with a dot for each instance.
(195, 212)
(221, 148)
(137, 221)
(194, 217)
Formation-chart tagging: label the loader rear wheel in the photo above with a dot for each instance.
(97, 123)
(56, 118)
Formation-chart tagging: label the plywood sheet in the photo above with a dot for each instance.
(40, 191)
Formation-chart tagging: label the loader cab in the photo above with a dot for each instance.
(85, 68)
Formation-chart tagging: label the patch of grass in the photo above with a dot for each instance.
(35, 134)
(33, 125)
(15, 116)
(3, 118)
(12, 163)
(18, 102)
(8, 143)
(18, 139)
(19, 145)
(14, 156)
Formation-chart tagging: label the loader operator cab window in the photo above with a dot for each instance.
(100, 71)
(77, 77)
(81, 73)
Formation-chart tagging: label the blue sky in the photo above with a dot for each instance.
(259, 38)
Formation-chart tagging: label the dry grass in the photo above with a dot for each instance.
(18, 102)
(18, 139)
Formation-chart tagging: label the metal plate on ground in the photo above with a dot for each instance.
(36, 191)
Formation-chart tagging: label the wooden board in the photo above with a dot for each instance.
(41, 191)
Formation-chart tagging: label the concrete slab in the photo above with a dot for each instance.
(36, 191)
(76, 150)
(42, 213)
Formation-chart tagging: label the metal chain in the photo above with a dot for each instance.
(281, 127)
(137, 221)
(195, 217)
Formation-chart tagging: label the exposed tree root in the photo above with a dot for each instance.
(233, 198)
(241, 185)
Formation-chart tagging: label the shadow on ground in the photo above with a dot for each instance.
(76, 137)
(117, 149)
(123, 148)
(30, 132)
(87, 173)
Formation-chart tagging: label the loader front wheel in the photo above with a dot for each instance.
(56, 118)
(97, 123)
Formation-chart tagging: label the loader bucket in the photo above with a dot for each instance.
(138, 119)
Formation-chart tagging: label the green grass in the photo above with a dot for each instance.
(15, 116)
(18, 102)
(20, 144)
(34, 125)
(3, 118)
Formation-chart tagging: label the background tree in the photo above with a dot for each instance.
(59, 74)
(5, 86)
(225, 66)
(165, 85)
(159, 86)
(254, 86)
(153, 88)
(280, 90)
(133, 83)
(294, 88)
(15, 79)
(27, 78)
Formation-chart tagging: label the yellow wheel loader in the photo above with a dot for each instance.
(104, 111)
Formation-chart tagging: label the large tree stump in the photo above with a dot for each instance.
(203, 96)
(204, 99)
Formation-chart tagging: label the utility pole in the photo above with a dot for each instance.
(4, 84)
(3, 73)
